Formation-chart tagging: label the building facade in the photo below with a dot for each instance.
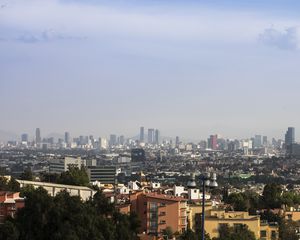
(159, 211)
(10, 202)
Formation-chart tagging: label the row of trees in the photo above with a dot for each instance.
(272, 197)
(67, 217)
(74, 176)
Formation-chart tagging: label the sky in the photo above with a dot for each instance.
(189, 68)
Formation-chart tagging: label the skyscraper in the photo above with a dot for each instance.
(157, 136)
(290, 136)
(151, 135)
(112, 140)
(257, 141)
(121, 140)
(67, 137)
(213, 142)
(24, 137)
(177, 141)
(142, 134)
(265, 141)
(38, 138)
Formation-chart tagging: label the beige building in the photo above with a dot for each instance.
(52, 188)
(214, 218)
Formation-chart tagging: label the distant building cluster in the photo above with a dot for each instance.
(259, 144)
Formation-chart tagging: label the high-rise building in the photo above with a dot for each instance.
(157, 136)
(142, 134)
(213, 142)
(24, 137)
(113, 139)
(151, 135)
(290, 136)
(67, 137)
(265, 141)
(103, 143)
(257, 143)
(177, 141)
(121, 140)
(38, 138)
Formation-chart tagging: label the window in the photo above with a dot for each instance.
(263, 234)
(273, 235)
(153, 206)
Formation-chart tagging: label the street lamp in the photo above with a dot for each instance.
(209, 181)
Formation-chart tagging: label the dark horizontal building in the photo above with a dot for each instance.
(138, 155)
(103, 174)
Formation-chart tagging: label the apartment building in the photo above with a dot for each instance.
(10, 202)
(159, 211)
(262, 229)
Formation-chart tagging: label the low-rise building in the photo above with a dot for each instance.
(61, 165)
(52, 188)
(261, 229)
(10, 202)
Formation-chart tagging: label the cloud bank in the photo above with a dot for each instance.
(287, 39)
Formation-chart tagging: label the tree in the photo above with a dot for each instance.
(27, 175)
(271, 197)
(11, 185)
(287, 230)
(188, 235)
(8, 231)
(238, 201)
(238, 232)
(74, 176)
(168, 233)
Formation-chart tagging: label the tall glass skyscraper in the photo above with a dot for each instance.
(290, 136)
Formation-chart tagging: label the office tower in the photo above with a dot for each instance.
(24, 137)
(150, 135)
(67, 137)
(142, 134)
(157, 136)
(177, 141)
(112, 140)
(290, 136)
(121, 140)
(38, 138)
(257, 141)
(103, 143)
(102, 174)
(265, 141)
(213, 142)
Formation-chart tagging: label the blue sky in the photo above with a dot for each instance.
(189, 68)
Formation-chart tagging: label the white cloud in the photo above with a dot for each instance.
(45, 36)
(199, 24)
(287, 39)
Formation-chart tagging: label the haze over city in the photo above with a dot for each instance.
(189, 68)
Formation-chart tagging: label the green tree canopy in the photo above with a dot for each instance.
(74, 176)
(238, 232)
(68, 217)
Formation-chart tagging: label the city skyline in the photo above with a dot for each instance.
(155, 137)
(192, 69)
